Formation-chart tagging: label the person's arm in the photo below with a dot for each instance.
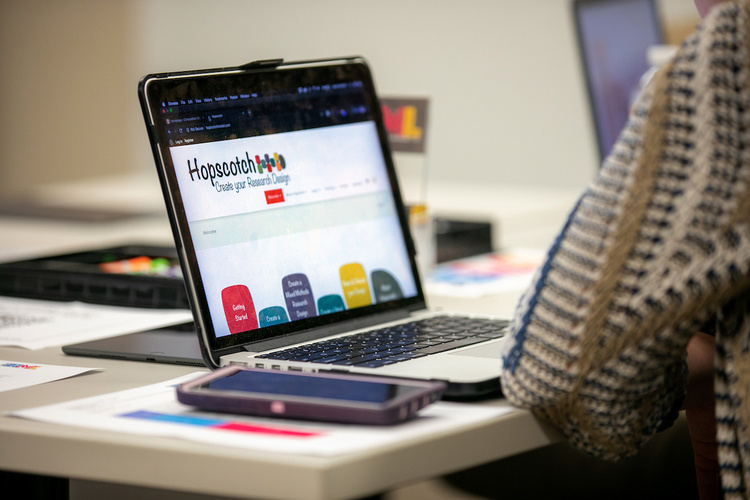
(654, 247)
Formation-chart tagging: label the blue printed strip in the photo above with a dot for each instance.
(177, 419)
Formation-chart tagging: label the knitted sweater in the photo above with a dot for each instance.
(657, 245)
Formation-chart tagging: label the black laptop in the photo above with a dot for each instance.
(613, 38)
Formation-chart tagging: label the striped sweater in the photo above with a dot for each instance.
(657, 245)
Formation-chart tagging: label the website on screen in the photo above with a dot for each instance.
(292, 225)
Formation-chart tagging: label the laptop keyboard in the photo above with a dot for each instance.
(385, 346)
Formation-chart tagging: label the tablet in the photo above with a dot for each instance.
(329, 397)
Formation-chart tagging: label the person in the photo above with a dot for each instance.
(642, 306)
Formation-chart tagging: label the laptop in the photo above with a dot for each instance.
(291, 231)
(613, 38)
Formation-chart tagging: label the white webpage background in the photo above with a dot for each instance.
(329, 156)
(326, 167)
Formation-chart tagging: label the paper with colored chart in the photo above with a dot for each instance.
(485, 274)
(154, 410)
(17, 374)
(35, 324)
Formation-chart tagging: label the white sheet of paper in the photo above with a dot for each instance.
(154, 410)
(35, 324)
(17, 374)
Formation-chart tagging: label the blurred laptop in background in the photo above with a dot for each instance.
(614, 37)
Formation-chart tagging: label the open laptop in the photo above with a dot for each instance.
(292, 235)
(613, 38)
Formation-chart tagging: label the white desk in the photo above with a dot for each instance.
(181, 466)
(171, 464)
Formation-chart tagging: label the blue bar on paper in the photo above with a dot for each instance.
(177, 419)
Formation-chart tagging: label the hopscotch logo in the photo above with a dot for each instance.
(267, 163)
(215, 172)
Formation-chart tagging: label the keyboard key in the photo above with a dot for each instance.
(447, 346)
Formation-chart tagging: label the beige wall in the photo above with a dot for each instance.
(506, 99)
(63, 72)
(508, 102)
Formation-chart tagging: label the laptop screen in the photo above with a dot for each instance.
(289, 198)
(613, 37)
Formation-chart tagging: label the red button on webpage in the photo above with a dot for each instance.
(274, 196)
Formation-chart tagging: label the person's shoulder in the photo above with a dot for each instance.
(728, 12)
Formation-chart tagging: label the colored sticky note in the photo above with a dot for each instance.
(298, 295)
(385, 286)
(239, 309)
(330, 304)
(355, 286)
(272, 316)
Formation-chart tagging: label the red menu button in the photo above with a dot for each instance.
(274, 196)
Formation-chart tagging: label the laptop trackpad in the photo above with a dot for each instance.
(491, 351)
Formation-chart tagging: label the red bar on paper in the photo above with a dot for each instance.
(259, 429)
(274, 196)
